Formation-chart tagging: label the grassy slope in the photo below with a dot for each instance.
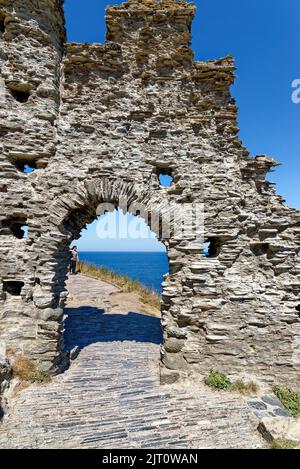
(127, 285)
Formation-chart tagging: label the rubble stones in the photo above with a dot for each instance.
(267, 406)
(280, 428)
(5, 371)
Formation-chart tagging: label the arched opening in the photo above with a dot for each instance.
(68, 216)
(124, 244)
(115, 294)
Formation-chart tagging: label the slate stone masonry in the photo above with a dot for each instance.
(83, 124)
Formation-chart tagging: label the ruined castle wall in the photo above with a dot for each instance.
(31, 44)
(129, 110)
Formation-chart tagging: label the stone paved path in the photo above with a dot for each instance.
(111, 396)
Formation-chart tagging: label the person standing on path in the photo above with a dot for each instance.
(74, 260)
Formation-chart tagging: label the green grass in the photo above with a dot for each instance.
(244, 388)
(289, 399)
(217, 380)
(284, 444)
(126, 284)
(25, 370)
(40, 377)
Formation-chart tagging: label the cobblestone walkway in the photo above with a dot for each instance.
(111, 396)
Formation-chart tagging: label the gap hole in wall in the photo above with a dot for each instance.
(298, 310)
(24, 228)
(165, 179)
(211, 247)
(196, 130)
(259, 249)
(21, 96)
(26, 167)
(17, 228)
(13, 287)
(2, 23)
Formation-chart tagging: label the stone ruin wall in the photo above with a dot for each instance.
(99, 122)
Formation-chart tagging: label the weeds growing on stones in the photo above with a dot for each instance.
(289, 399)
(217, 380)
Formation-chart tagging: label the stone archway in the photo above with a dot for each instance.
(89, 200)
(73, 212)
(102, 121)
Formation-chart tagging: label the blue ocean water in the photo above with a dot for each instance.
(147, 267)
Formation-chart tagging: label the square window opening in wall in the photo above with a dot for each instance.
(12, 287)
(259, 249)
(165, 178)
(212, 247)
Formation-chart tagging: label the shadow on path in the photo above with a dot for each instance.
(87, 325)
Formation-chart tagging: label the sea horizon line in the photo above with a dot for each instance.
(162, 252)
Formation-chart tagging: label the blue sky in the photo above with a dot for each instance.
(104, 234)
(264, 38)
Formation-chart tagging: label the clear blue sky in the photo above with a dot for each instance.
(138, 235)
(264, 38)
